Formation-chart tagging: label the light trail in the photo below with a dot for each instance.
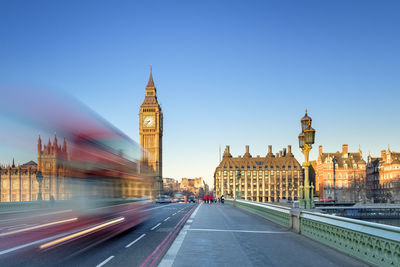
(69, 237)
(37, 227)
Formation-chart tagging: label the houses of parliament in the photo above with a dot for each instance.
(48, 178)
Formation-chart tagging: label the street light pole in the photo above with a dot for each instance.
(238, 176)
(334, 160)
(306, 140)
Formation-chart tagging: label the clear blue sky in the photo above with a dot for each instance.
(227, 72)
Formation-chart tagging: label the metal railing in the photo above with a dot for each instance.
(374, 243)
(275, 213)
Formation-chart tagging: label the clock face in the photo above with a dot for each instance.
(149, 121)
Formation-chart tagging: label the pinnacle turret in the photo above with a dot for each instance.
(150, 82)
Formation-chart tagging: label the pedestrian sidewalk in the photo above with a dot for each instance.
(223, 235)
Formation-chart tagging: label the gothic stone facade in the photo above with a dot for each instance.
(151, 132)
(19, 183)
(270, 178)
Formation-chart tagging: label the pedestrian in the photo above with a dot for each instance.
(211, 199)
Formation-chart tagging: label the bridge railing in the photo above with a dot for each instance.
(374, 243)
(275, 213)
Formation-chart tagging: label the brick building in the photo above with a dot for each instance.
(383, 178)
(350, 174)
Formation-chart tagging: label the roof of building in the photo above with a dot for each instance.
(286, 159)
(29, 164)
(150, 100)
(349, 158)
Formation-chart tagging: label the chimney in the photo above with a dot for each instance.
(383, 155)
(247, 154)
(280, 153)
(289, 148)
(345, 149)
(269, 149)
(320, 150)
(227, 153)
(284, 152)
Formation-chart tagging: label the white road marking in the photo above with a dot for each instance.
(158, 224)
(237, 231)
(30, 244)
(36, 215)
(195, 211)
(174, 214)
(169, 258)
(167, 219)
(105, 261)
(190, 221)
(15, 226)
(159, 207)
(136, 240)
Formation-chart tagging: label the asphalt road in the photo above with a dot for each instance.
(143, 245)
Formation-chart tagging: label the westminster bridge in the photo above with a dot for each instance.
(237, 233)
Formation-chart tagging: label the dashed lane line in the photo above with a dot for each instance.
(105, 261)
(167, 219)
(134, 241)
(154, 227)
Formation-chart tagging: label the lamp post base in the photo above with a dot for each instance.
(306, 204)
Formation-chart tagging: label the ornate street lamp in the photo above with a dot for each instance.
(306, 140)
(334, 161)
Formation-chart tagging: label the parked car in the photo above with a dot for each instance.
(192, 199)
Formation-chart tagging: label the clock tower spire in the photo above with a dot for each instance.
(151, 131)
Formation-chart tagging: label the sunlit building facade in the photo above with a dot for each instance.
(264, 179)
(383, 178)
(151, 132)
(19, 183)
(195, 185)
(348, 183)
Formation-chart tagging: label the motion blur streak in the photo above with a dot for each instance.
(84, 180)
(38, 226)
(66, 238)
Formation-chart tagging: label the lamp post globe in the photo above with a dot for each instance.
(305, 122)
(301, 140)
(309, 135)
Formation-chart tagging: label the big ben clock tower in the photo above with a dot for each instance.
(151, 131)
